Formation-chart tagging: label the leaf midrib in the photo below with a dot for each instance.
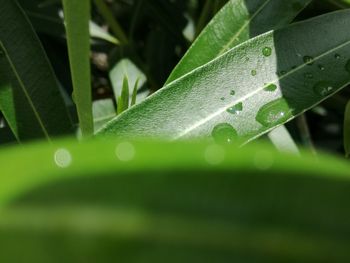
(244, 26)
(21, 84)
(224, 108)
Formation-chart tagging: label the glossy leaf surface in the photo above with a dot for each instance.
(237, 21)
(254, 87)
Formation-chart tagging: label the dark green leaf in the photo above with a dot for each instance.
(29, 94)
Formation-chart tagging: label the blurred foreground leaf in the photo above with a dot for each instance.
(107, 201)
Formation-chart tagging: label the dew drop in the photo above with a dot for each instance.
(274, 113)
(308, 60)
(323, 88)
(308, 75)
(232, 93)
(62, 158)
(270, 87)
(337, 56)
(321, 67)
(267, 51)
(224, 133)
(253, 72)
(236, 109)
(347, 66)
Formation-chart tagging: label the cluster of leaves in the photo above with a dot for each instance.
(226, 71)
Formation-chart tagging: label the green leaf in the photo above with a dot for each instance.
(78, 38)
(29, 93)
(238, 21)
(125, 67)
(134, 93)
(97, 32)
(347, 130)
(123, 100)
(111, 21)
(179, 202)
(252, 88)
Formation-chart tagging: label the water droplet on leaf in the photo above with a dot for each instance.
(267, 51)
(321, 67)
(271, 87)
(308, 75)
(223, 98)
(308, 60)
(323, 88)
(253, 72)
(337, 56)
(236, 109)
(232, 93)
(274, 113)
(224, 133)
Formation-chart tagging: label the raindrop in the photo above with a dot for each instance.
(271, 87)
(267, 51)
(274, 113)
(125, 151)
(236, 109)
(337, 56)
(323, 88)
(62, 158)
(253, 72)
(308, 60)
(232, 93)
(347, 66)
(321, 67)
(308, 75)
(224, 133)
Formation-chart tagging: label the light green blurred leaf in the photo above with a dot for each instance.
(126, 67)
(103, 111)
(104, 201)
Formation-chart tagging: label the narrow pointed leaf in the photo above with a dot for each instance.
(29, 93)
(251, 89)
(77, 17)
(212, 204)
(123, 100)
(237, 21)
